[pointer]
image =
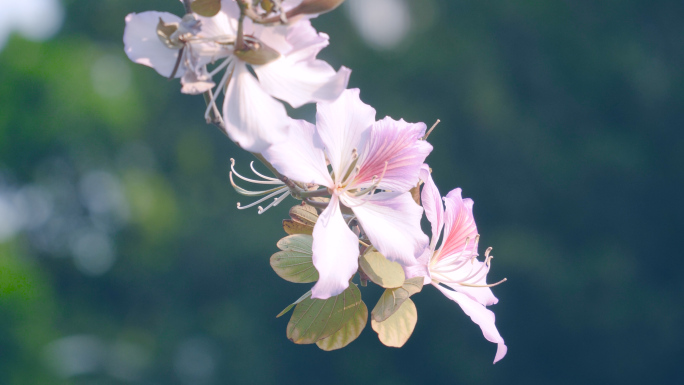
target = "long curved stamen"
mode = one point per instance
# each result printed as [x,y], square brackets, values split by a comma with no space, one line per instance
[248,193]
[221,66]
[219,89]
[489,285]
[251,165]
[282,190]
[269,181]
[351,168]
[275,202]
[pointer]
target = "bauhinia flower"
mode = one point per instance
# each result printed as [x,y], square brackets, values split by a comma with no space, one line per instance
[177,47]
[454,268]
[372,167]
[283,57]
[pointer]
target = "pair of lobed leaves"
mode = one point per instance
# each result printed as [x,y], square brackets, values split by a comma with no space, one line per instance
[337,321]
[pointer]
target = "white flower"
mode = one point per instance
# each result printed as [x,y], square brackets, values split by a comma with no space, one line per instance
[365,157]
[455,263]
[283,57]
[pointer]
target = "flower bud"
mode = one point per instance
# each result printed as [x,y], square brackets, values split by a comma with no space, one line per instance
[257,53]
[308,7]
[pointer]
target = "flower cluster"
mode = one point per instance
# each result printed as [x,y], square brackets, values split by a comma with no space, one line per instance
[359,179]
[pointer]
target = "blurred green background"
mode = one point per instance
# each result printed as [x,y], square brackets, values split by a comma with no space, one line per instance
[123,258]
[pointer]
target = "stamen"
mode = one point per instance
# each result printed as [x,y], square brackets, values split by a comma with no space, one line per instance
[275,202]
[221,66]
[212,103]
[271,181]
[282,190]
[489,285]
[374,184]
[251,165]
[430,130]
[248,193]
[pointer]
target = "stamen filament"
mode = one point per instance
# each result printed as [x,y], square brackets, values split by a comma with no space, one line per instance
[275,202]
[219,89]
[269,196]
[248,193]
[251,165]
[232,167]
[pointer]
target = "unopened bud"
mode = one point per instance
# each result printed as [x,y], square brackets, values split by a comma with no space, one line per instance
[309,7]
[257,53]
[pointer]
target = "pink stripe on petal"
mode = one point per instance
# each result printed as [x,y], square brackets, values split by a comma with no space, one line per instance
[459,226]
[432,204]
[397,144]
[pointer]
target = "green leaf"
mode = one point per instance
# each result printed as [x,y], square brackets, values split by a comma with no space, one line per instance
[396,330]
[290,306]
[294,266]
[316,319]
[304,214]
[296,242]
[381,271]
[392,299]
[349,332]
[206,8]
[294,227]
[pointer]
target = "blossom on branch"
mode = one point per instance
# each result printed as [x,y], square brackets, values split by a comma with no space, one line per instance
[283,58]
[454,268]
[372,167]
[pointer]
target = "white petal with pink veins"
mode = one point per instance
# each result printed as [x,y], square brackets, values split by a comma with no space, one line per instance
[392,223]
[142,45]
[335,252]
[431,200]
[481,316]
[460,231]
[344,125]
[253,118]
[301,156]
[397,144]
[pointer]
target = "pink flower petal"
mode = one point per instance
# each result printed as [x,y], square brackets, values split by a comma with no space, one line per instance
[397,144]
[431,200]
[301,156]
[481,316]
[392,223]
[459,226]
[144,47]
[254,120]
[335,252]
[344,125]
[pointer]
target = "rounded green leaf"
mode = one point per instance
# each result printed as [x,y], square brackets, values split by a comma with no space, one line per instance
[294,266]
[304,214]
[293,227]
[396,330]
[349,332]
[382,271]
[392,299]
[316,319]
[296,242]
[206,8]
[290,306]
